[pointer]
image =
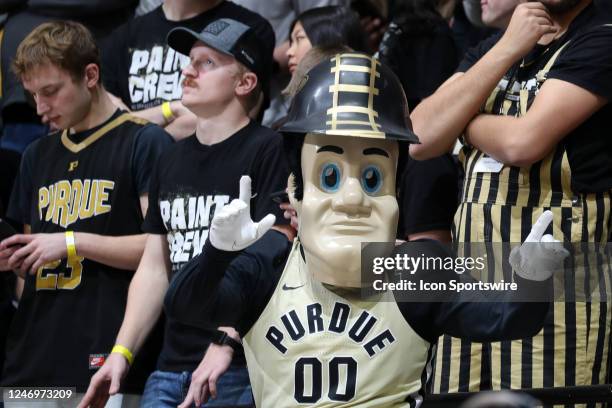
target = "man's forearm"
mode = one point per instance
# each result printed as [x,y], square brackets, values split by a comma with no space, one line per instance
[123,252]
[180,124]
[503,138]
[559,108]
[154,115]
[144,307]
[442,117]
[145,295]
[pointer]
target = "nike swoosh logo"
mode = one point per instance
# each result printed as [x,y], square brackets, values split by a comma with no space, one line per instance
[285,287]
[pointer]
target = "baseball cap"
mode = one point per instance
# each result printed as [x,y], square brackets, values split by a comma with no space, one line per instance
[232,38]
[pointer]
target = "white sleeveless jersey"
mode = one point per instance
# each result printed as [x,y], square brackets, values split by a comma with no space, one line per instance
[315,347]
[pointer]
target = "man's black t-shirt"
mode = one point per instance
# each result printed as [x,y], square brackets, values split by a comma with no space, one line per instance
[190,183]
[586,61]
[141,69]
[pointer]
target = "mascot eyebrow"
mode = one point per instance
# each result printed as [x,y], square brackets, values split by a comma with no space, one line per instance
[330,148]
[375,150]
[366,152]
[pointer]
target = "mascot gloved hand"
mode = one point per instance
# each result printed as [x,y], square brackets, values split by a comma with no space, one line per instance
[540,255]
[232,228]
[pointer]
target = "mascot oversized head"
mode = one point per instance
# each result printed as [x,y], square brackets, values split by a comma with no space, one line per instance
[344,137]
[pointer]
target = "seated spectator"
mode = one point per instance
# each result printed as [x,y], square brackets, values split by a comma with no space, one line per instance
[374,18]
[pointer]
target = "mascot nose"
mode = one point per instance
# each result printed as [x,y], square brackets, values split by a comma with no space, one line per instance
[351,199]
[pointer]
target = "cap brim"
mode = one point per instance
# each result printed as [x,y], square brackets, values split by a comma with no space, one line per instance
[182,40]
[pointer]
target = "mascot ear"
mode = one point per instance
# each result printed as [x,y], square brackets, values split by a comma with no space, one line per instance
[297,205]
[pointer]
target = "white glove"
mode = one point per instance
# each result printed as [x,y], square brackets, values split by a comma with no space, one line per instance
[540,255]
[232,228]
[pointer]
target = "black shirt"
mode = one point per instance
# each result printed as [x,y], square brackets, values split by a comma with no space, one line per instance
[423,55]
[148,144]
[428,195]
[141,69]
[586,62]
[190,183]
[421,58]
[70,311]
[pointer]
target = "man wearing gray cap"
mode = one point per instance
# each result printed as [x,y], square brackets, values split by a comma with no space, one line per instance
[193,180]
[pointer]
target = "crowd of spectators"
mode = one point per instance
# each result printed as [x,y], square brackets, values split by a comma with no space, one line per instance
[510,102]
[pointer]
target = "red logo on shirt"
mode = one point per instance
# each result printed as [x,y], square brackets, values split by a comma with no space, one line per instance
[96,361]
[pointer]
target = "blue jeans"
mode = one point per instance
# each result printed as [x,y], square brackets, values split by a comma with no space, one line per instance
[169,389]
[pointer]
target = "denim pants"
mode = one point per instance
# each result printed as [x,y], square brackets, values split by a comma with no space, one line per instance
[169,389]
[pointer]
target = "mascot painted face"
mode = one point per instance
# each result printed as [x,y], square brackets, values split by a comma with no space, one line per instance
[345,157]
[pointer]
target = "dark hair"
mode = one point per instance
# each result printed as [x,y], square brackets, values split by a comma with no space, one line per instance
[312,58]
[418,15]
[292,145]
[66,44]
[331,26]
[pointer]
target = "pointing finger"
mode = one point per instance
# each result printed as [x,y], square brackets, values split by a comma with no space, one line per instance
[540,226]
[245,189]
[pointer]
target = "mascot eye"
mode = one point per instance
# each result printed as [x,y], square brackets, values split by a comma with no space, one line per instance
[371,180]
[330,177]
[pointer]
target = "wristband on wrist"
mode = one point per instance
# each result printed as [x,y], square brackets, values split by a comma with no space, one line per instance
[223,339]
[70,245]
[167,112]
[124,351]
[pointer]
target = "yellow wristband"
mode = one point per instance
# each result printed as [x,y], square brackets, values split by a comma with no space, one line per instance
[70,246]
[125,352]
[167,111]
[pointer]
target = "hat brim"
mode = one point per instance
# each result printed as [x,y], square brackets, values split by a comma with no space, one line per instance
[182,40]
[317,124]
